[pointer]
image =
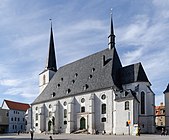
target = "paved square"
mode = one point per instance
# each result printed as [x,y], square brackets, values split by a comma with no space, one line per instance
[81,137]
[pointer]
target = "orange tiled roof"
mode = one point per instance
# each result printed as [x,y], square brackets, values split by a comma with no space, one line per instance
[17,106]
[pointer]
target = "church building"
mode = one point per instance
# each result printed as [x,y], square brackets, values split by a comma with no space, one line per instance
[95,93]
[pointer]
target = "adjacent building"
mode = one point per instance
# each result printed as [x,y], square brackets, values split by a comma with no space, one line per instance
[95,93]
[160,115]
[16,115]
[166,94]
[4,120]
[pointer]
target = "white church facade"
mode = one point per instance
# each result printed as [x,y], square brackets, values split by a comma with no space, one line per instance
[95,93]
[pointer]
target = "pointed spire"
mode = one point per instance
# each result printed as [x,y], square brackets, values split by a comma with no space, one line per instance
[51,61]
[111,37]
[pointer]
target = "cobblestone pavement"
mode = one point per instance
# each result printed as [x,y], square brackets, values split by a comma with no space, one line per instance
[81,137]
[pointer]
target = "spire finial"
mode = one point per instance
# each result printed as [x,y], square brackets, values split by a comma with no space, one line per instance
[111,12]
[50,22]
[111,36]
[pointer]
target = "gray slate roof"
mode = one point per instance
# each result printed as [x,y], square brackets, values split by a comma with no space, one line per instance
[167,89]
[99,71]
[133,73]
[88,74]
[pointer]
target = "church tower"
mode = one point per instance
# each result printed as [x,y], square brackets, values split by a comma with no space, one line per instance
[50,68]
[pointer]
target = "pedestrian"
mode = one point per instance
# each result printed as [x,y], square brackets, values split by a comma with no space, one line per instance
[18,132]
[31,134]
[166,132]
[139,129]
[162,132]
[50,137]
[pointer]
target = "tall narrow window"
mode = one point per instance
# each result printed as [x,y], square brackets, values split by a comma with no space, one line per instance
[65,113]
[103,108]
[82,109]
[44,79]
[127,105]
[36,116]
[142,103]
[50,114]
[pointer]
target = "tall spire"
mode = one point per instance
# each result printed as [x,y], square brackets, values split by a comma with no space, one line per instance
[51,61]
[111,37]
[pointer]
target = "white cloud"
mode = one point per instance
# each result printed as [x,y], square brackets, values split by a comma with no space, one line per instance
[9,82]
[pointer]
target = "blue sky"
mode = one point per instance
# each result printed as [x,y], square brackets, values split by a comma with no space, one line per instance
[81,28]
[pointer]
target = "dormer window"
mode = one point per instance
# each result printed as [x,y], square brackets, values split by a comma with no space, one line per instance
[85,87]
[68,91]
[73,81]
[90,76]
[61,79]
[93,69]
[54,94]
[76,74]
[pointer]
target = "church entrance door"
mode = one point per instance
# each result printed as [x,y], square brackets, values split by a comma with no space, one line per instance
[82,123]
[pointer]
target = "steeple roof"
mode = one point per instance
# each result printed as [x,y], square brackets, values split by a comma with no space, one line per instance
[167,89]
[51,60]
[111,36]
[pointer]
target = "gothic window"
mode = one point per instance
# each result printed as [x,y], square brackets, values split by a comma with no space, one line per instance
[65,113]
[36,124]
[127,105]
[44,79]
[142,103]
[36,116]
[103,109]
[36,108]
[82,109]
[103,119]
[103,97]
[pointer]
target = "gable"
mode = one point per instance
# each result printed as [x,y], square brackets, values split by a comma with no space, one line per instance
[133,73]
[4,105]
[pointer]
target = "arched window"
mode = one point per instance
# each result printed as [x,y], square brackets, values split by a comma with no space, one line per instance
[65,122]
[103,108]
[36,116]
[50,114]
[44,79]
[65,113]
[127,105]
[142,102]
[82,109]
[103,119]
